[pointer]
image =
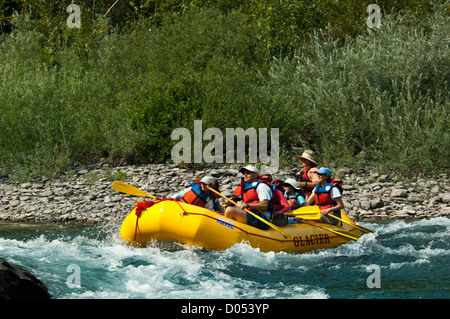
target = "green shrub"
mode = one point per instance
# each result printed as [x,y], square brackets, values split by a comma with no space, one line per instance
[373,97]
[381,99]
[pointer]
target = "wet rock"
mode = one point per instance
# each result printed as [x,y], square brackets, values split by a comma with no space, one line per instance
[18,283]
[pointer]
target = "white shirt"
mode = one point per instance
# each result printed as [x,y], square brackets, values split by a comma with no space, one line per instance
[264,192]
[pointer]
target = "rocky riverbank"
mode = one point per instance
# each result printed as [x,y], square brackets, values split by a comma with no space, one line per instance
[85,194]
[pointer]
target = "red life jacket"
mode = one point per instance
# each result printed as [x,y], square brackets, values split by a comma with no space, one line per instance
[283,205]
[337,182]
[322,196]
[278,202]
[303,177]
[250,195]
[195,196]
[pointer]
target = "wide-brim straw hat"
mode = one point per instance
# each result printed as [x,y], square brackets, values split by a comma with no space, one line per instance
[307,155]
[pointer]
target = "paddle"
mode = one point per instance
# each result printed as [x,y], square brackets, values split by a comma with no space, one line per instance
[306,212]
[364,229]
[130,190]
[337,232]
[285,234]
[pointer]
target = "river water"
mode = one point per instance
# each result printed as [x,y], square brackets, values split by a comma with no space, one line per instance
[410,259]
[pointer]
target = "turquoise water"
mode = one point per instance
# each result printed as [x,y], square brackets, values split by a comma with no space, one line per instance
[409,260]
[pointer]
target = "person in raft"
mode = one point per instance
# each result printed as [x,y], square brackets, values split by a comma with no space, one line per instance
[307,179]
[293,194]
[198,194]
[327,196]
[280,204]
[255,196]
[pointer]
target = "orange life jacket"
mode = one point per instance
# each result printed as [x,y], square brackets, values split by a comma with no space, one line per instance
[195,196]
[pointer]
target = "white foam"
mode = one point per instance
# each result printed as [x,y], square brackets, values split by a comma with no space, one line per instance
[111,269]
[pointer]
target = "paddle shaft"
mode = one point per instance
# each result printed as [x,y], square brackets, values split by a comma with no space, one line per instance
[337,232]
[310,216]
[314,212]
[285,234]
[364,229]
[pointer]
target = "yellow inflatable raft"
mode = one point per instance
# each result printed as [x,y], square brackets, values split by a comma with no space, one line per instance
[174,221]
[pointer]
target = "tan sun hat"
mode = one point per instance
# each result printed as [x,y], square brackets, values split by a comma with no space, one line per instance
[307,155]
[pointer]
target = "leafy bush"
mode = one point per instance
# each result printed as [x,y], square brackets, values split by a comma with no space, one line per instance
[58,108]
[382,98]
[356,96]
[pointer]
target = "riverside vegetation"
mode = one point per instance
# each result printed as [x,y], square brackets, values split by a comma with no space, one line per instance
[118,87]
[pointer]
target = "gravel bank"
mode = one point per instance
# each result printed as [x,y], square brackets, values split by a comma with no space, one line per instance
[85,193]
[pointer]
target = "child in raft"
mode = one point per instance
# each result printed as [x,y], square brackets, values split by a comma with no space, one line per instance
[327,196]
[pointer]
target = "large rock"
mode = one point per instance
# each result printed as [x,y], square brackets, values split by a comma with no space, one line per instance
[365,204]
[445,197]
[17,283]
[399,192]
[376,202]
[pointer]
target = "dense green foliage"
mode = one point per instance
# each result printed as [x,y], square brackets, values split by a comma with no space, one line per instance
[118,86]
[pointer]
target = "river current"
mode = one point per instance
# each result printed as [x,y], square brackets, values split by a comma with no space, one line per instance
[410,259]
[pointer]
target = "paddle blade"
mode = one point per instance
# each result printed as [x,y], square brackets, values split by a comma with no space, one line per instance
[344,234]
[129,189]
[306,212]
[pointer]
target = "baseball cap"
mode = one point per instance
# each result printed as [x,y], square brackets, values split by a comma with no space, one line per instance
[324,171]
[250,168]
[208,180]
